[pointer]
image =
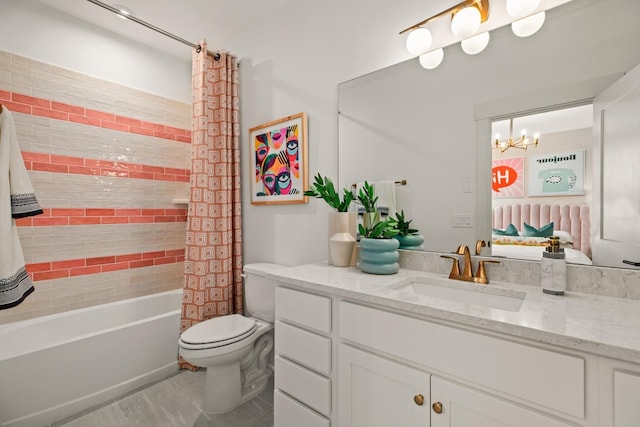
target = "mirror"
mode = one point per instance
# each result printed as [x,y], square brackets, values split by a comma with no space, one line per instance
[542,174]
[432,128]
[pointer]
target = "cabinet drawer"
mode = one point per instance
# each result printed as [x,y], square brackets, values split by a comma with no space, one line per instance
[313,311]
[308,387]
[289,413]
[544,377]
[307,348]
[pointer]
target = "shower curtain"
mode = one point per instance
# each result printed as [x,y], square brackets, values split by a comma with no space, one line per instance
[213,256]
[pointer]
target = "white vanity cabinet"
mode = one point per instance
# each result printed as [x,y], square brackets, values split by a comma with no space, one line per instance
[458,406]
[378,392]
[619,393]
[302,360]
[466,378]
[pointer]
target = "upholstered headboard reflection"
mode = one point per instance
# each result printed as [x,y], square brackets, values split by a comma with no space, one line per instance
[574,219]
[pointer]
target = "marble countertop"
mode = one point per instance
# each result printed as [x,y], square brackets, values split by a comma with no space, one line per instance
[601,325]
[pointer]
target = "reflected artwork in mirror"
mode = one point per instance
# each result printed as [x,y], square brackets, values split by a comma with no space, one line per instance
[433,127]
[565,139]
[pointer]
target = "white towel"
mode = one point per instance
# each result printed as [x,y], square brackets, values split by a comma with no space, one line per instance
[386,192]
[17,200]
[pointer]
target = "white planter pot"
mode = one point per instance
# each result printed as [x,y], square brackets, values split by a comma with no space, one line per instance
[340,254]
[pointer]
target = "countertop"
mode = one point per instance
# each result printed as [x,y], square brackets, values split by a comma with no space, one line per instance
[600,325]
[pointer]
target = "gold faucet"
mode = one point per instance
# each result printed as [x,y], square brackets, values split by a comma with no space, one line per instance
[467,270]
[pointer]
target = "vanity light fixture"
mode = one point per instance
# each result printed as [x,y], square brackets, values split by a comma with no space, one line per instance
[475,44]
[466,19]
[523,143]
[526,24]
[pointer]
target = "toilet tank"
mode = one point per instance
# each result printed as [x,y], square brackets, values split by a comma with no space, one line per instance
[259,291]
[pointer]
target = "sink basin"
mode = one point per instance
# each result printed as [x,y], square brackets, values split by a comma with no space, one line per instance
[451,290]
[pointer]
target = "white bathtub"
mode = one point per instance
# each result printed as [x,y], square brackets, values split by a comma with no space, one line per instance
[55,366]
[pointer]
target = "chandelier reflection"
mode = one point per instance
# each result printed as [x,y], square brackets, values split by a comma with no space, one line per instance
[522,143]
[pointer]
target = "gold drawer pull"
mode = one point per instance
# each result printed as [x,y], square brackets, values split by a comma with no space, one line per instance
[437,407]
[419,399]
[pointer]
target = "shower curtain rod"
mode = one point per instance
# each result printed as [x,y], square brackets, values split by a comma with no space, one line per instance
[118,12]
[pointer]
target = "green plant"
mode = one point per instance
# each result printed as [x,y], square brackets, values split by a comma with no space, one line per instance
[323,188]
[378,229]
[372,226]
[403,226]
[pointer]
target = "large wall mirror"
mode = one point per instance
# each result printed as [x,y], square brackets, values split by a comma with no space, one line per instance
[433,128]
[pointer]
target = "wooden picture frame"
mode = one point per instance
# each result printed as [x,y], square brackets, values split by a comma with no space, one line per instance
[278,152]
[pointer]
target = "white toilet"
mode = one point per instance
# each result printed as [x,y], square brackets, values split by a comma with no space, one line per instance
[235,349]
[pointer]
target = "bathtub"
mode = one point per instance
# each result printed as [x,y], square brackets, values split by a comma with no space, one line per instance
[55,366]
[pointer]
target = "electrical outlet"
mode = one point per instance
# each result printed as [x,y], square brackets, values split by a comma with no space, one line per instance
[462,220]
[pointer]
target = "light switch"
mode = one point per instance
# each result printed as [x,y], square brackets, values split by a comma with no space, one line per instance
[462,220]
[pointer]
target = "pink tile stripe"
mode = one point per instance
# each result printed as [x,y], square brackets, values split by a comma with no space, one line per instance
[91,216]
[77,165]
[103,264]
[73,113]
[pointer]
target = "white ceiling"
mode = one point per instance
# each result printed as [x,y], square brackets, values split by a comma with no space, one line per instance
[573,118]
[220,22]
[217,21]
[223,22]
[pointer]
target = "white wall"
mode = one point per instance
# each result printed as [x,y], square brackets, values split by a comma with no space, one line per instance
[296,66]
[32,29]
[295,63]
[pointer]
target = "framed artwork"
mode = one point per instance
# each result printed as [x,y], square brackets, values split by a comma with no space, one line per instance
[507,178]
[279,161]
[557,174]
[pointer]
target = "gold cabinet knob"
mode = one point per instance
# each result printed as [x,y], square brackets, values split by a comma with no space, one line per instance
[419,399]
[437,407]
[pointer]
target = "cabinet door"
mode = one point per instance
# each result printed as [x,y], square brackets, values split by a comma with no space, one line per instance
[377,392]
[453,405]
[626,388]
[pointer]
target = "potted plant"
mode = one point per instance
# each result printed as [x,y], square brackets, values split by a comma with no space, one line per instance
[342,223]
[378,248]
[407,236]
[323,188]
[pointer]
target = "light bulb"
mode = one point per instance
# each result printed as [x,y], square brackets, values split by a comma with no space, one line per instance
[466,22]
[432,59]
[528,26]
[520,8]
[523,132]
[419,41]
[475,44]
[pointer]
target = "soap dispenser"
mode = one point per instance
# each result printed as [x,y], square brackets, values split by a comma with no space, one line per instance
[554,268]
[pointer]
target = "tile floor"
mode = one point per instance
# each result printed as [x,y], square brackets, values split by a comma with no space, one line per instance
[174,402]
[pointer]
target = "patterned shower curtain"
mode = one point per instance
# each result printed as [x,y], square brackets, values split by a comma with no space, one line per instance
[213,258]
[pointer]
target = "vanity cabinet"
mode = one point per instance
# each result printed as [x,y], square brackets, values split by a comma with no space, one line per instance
[343,361]
[458,406]
[511,375]
[302,361]
[619,393]
[378,392]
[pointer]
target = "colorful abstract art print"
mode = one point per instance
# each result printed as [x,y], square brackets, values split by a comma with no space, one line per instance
[278,154]
[507,177]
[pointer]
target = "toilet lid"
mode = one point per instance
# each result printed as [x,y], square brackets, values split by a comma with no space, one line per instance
[219,331]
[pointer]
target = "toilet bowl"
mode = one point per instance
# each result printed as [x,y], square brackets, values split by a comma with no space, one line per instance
[235,349]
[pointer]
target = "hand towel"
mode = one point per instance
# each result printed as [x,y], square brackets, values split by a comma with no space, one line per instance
[386,192]
[17,200]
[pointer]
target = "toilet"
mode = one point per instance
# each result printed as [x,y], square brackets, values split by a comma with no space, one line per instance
[235,349]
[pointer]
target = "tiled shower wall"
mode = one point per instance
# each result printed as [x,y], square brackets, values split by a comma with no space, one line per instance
[106,162]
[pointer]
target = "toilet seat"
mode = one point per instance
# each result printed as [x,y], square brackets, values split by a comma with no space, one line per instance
[218,332]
